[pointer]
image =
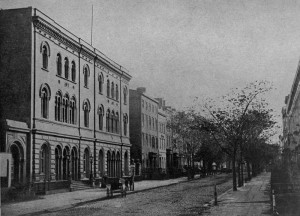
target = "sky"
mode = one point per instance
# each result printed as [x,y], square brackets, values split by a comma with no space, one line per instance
[183,49]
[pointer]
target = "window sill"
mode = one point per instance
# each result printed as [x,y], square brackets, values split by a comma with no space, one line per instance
[45,69]
[113,99]
[66,79]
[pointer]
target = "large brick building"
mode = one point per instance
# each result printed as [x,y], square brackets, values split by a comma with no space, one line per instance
[64,106]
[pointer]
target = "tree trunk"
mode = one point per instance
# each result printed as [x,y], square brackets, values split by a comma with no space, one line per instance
[234,173]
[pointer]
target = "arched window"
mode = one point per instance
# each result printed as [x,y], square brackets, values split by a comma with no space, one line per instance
[112,123]
[86,111]
[112,90]
[66,109]
[58,106]
[101,81]
[108,88]
[45,57]
[153,142]
[45,97]
[101,114]
[72,118]
[108,120]
[125,95]
[86,73]
[58,64]
[73,71]
[66,68]
[117,92]
[117,122]
[125,122]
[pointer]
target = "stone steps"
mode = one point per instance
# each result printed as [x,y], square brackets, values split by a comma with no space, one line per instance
[79,185]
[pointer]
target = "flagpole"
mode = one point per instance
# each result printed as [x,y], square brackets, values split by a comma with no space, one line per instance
[92,26]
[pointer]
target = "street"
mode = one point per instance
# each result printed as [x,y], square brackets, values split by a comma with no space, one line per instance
[186,198]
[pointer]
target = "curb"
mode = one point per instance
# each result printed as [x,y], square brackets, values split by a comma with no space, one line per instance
[51,210]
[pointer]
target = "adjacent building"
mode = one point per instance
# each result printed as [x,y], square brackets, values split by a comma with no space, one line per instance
[143,112]
[64,106]
[291,115]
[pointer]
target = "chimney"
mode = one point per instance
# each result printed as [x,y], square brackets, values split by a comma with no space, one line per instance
[160,101]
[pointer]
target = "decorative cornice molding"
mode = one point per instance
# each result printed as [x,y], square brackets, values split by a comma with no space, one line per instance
[54,32]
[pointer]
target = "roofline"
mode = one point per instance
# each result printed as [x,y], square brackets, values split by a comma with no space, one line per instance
[82,43]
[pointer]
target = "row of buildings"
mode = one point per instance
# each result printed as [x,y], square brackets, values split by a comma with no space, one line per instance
[291,126]
[67,110]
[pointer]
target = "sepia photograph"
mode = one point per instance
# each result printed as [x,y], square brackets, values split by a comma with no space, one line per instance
[150,107]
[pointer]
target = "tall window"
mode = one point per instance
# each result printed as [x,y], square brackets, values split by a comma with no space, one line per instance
[112,122]
[125,122]
[100,80]
[66,109]
[45,57]
[73,110]
[117,92]
[112,90]
[108,120]
[86,112]
[101,114]
[73,71]
[117,122]
[66,68]
[86,74]
[108,88]
[125,95]
[58,103]
[58,64]
[45,97]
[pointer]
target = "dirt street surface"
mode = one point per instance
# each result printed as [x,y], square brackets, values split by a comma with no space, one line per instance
[185,198]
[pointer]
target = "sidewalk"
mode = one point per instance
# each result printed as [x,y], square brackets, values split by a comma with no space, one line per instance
[58,201]
[251,200]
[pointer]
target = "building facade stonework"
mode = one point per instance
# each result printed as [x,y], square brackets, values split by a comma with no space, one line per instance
[64,107]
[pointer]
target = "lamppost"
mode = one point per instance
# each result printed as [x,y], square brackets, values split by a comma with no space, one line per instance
[91,171]
[214,167]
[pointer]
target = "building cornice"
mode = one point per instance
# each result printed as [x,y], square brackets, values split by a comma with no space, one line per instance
[70,40]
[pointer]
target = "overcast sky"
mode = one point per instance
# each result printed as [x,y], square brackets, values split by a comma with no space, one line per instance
[182,49]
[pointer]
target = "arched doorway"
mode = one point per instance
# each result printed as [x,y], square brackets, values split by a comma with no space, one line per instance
[86,159]
[17,165]
[101,163]
[113,162]
[118,165]
[108,164]
[66,159]
[58,158]
[45,161]
[74,164]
